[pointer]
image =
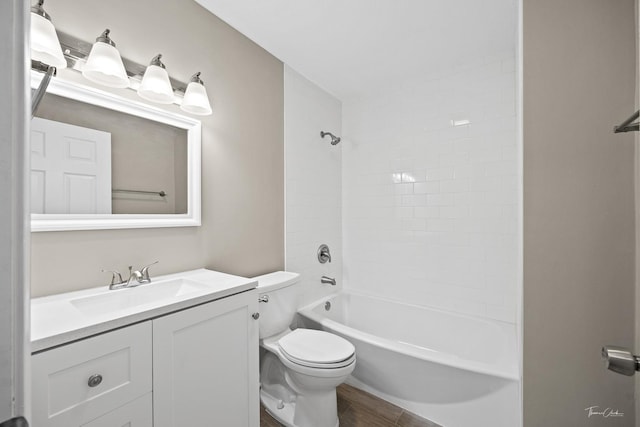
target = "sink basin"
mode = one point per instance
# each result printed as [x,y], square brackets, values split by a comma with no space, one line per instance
[128,298]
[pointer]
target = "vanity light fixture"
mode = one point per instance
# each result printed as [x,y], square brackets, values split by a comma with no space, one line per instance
[195,99]
[155,85]
[101,63]
[104,64]
[45,46]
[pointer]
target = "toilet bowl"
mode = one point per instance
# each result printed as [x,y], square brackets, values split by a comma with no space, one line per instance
[301,368]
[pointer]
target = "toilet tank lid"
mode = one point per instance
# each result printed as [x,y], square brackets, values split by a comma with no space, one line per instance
[276,280]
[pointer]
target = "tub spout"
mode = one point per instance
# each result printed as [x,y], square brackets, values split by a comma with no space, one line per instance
[328,280]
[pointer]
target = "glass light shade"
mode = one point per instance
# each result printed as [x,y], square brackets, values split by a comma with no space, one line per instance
[195,100]
[45,46]
[155,86]
[104,66]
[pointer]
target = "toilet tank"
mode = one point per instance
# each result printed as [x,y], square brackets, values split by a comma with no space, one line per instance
[277,314]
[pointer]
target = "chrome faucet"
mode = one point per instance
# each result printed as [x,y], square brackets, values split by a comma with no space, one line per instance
[136,277]
[328,280]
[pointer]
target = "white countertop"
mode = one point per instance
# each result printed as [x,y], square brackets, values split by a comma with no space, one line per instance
[57,320]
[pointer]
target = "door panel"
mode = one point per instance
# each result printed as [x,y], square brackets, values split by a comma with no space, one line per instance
[71,166]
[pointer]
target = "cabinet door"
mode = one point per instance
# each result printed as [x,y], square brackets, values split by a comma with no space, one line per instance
[138,413]
[205,365]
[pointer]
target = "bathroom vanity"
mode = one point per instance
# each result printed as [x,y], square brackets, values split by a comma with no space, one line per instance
[180,351]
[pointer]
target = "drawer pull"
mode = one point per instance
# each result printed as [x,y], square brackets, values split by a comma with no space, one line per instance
[95,380]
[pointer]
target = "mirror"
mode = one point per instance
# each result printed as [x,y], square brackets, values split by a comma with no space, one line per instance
[101,161]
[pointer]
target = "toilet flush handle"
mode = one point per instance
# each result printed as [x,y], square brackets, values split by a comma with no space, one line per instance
[263,298]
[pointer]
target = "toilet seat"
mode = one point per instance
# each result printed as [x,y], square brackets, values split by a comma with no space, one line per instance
[316,349]
[326,370]
[308,364]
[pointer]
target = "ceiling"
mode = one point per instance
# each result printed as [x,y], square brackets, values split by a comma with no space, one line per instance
[353,48]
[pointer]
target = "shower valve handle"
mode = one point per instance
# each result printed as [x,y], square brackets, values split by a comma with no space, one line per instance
[324,254]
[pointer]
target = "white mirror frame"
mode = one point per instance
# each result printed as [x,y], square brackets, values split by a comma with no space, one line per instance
[90,95]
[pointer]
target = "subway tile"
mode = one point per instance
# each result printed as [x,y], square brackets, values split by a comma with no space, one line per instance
[501,167]
[426,187]
[453,159]
[402,164]
[485,183]
[440,174]
[403,188]
[439,224]
[485,211]
[426,211]
[471,170]
[414,225]
[403,212]
[454,211]
[454,186]
[414,200]
[440,200]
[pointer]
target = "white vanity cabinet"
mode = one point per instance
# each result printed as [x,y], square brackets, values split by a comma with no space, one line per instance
[194,367]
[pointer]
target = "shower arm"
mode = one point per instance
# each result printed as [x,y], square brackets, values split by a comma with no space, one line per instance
[334,139]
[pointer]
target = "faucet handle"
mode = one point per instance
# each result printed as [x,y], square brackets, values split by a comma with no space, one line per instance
[145,272]
[324,254]
[116,277]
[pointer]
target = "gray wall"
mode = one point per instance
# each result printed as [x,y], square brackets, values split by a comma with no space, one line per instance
[579,80]
[242,149]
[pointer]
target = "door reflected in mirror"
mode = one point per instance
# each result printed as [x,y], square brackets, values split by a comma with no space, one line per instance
[86,159]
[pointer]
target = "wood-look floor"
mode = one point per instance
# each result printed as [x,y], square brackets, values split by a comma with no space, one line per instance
[357,408]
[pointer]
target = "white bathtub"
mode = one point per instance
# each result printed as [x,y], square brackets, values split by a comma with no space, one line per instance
[455,370]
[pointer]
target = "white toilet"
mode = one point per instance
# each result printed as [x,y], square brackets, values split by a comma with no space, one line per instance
[300,369]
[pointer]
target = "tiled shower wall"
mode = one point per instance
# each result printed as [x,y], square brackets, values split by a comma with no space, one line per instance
[430,191]
[313,184]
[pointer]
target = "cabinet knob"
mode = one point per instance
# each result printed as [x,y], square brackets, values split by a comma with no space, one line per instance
[94,380]
[255,316]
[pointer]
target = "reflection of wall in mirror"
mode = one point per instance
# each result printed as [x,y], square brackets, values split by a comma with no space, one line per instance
[146,155]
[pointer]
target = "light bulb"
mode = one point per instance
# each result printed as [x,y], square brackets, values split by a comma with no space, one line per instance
[45,46]
[155,85]
[104,64]
[195,99]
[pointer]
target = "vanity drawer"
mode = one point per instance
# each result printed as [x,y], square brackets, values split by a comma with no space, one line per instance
[138,413]
[79,382]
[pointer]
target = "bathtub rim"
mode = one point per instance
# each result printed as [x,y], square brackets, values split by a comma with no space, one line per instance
[406,349]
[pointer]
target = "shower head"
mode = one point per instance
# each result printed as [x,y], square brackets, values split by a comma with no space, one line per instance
[334,139]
